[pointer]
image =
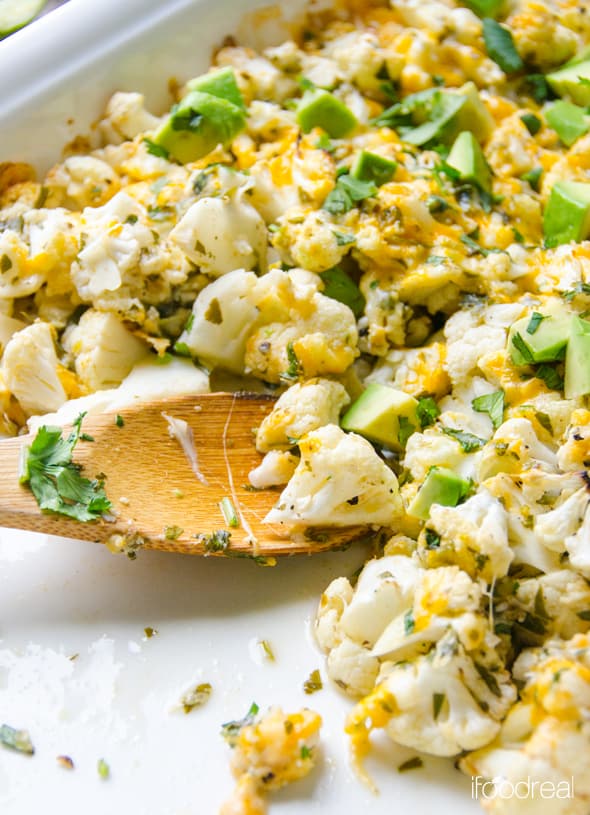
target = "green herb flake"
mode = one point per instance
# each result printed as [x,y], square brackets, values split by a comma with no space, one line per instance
[150,632]
[267,650]
[18,740]
[432,539]
[313,683]
[305,752]
[409,622]
[414,763]
[172,533]
[231,730]
[292,371]
[438,700]
[347,192]
[131,219]
[468,441]
[533,177]
[500,46]
[534,322]
[55,480]
[196,697]
[427,411]
[343,239]
[215,542]
[489,678]
[229,513]
[550,376]
[155,149]
[406,428]
[584,615]
[522,348]
[579,288]
[119,420]
[493,405]
[5,263]
[531,122]
[103,769]
[544,420]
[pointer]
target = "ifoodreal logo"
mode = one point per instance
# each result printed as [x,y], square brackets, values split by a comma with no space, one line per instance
[524,788]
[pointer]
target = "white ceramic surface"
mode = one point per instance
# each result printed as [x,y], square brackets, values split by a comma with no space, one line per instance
[58,598]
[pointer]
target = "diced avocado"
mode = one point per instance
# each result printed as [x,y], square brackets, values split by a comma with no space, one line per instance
[15,14]
[198,124]
[221,83]
[339,286]
[485,8]
[566,82]
[474,115]
[577,359]
[532,340]
[319,108]
[467,158]
[372,167]
[569,121]
[383,415]
[567,213]
[441,486]
[581,56]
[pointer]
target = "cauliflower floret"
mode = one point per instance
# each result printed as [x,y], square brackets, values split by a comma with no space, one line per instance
[8,327]
[435,449]
[546,736]
[300,409]
[554,527]
[275,469]
[574,454]
[82,181]
[358,57]
[309,240]
[104,350]
[31,370]
[539,36]
[417,371]
[555,604]
[515,447]
[578,546]
[222,234]
[18,276]
[126,117]
[276,326]
[467,342]
[332,603]
[340,481]
[443,702]
[269,752]
[473,535]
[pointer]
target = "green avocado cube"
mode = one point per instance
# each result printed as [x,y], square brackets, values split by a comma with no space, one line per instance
[319,108]
[577,360]
[542,338]
[383,415]
[372,167]
[197,124]
[221,83]
[567,213]
[467,158]
[441,486]
[569,121]
[570,81]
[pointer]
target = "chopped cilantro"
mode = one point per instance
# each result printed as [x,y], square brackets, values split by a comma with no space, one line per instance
[347,192]
[432,539]
[230,730]
[550,376]
[215,542]
[55,480]
[414,763]
[14,739]
[488,677]
[343,239]
[103,769]
[493,405]
[292,371]
[522,348]
[534,322]
[313,683]
[305,752]
[531,122]
[150,632]
[500,46]
[171,533]
[533,177]
[427,411]
[5,263]
[196,697]
[119,420]
[468,441]
[409,622]
[155,149]
[438,700]
[267,650]
[579,288]
[406,428]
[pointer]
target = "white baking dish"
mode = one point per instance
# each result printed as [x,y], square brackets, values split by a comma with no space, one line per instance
[60,598]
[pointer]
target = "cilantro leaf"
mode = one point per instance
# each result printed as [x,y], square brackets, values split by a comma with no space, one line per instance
[347,192]
[406,428]
[427,411]
[550,376]
[579,288]
[500,46]
[155,149]
[493,405]
[55,480]
[534,322]
[468,441]
[531,122]
[522,348]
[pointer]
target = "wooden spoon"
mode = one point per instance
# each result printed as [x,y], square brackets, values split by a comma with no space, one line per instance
[155,491]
